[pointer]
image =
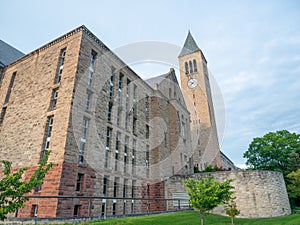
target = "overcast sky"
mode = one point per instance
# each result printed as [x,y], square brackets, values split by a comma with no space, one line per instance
[252,49]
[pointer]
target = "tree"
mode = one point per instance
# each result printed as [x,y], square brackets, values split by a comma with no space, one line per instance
[294,184]
[231,209]
[273,151]
[13,187]
[206,193]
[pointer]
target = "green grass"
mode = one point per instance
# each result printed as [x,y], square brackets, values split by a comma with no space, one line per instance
[193,218]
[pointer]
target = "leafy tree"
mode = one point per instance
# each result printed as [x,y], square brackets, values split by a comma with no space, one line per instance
[273,151]
[294,184]
[206,193]
[231,209]
[13,187]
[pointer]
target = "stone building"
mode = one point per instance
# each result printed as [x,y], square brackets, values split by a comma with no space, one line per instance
[111,134]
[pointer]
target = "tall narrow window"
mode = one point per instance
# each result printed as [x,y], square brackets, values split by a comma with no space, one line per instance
[54,99]
[115,193]
[61,63]
[191,66]
[48,134]
[120,88]
[147,160]
[126,121]
[88,95]
[127,93]
[186,68]
[91,67]
[147,131]
[76,210]
[105,185]
[103,209]
[85,125]
[125,188]
[11,84]
[79,181]
[108,137]
[118,143]
[109,111]
[34,210]
[119,117]
[126,152]
[147,108]
[3,112]
[114,208]
[195,65]
[134,122]
[182,129]
[107,148]
[111,83]
[133,156]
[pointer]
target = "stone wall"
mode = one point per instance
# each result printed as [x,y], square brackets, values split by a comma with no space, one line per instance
[259,194]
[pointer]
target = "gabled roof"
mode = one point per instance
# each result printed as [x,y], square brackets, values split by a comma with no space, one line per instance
[8,54]
[190,46]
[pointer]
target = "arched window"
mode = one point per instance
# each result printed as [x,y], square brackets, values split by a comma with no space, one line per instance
[195,65]
[191,66]
[186,68]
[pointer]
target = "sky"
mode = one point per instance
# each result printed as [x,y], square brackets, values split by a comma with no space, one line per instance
[252,49]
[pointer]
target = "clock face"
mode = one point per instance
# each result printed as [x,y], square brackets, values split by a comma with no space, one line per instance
[192,83]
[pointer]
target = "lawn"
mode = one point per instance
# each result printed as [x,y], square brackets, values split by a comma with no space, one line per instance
[192,218]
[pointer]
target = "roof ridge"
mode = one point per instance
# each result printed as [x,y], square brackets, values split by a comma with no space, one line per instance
[190,46]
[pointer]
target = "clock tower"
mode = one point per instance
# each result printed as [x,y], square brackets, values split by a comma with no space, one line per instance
[197,95]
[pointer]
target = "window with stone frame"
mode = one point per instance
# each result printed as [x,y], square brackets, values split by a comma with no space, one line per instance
[54,98]
[111,83]
[186,66]
[195,65]
[91,67]
[83,139]
[79,182]
[48,134]
[61,62]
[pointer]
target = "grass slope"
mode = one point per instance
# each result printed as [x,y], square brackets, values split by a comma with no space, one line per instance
[193,218]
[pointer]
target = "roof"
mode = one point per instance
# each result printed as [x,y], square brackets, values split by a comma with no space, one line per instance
[190,46]
[8,54]
[155,80]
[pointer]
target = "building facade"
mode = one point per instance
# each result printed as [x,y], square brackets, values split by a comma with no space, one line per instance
[111,134]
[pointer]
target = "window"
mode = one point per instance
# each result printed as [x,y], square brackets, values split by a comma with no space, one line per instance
[54,99]
[111,83]
[120,88]
[85,125]
[147,108]
[133,155]
[147,160]
[118,142]
[132,188]
[134,121]
[11,84]
[105,185]
[126,121]
[191,66]
[115,188]
[127,93]
[114,208]
[87,99]
[91,67]
[195,65]
[119,117]
[147,131]
[186,68]
[166,140]
[134,92]
[79,182]
[61,63]
[3,112]
[182,129]
[103,210]
[34,210]
[125,188]
[108,137]
[76,210]
[170,92]
[109,111]
[126,152]
[48,134]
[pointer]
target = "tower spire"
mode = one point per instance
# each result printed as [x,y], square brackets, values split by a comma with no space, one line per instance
[190,46]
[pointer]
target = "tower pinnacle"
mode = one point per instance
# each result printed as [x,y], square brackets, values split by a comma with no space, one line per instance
[190,46]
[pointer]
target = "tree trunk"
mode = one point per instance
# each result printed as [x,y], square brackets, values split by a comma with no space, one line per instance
[232,223]
[202,218]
